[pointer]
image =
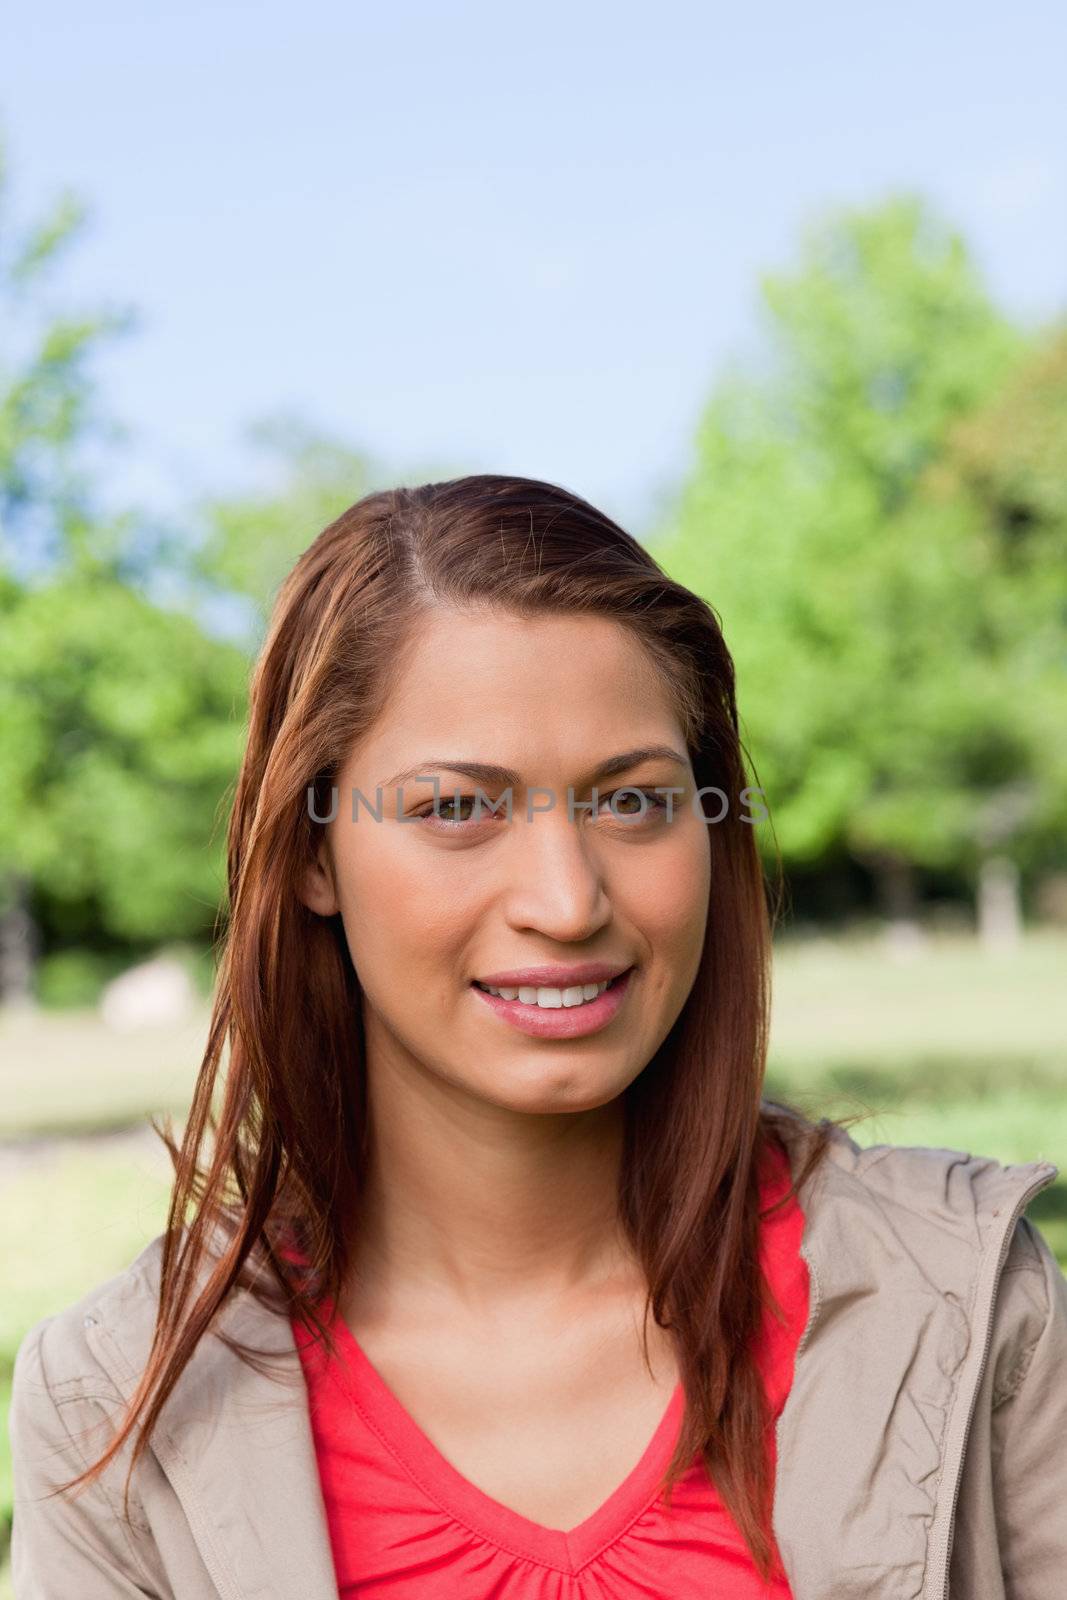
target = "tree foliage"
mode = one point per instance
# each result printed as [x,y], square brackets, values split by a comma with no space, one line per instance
[123,731]
[884,640]
[120,721]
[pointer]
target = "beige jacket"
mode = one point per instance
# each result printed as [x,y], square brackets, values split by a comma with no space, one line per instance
[922,1451]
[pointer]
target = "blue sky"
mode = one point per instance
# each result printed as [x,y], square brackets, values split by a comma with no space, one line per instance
[498,239]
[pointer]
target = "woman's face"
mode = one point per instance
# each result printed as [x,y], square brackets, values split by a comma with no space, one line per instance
[436,906]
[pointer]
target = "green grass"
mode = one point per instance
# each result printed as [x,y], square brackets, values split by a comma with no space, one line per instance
[929,1022]
[954,1049]
[64,1072]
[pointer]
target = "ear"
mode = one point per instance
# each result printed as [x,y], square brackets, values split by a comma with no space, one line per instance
[317,889]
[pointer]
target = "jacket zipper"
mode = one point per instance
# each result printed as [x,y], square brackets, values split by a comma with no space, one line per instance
[814,1304]
[944,1549]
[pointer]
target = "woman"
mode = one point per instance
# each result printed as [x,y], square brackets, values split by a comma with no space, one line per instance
[495,991]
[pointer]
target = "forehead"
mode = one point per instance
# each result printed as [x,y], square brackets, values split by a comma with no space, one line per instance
[525,690]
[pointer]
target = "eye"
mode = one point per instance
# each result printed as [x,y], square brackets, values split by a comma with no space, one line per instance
[456,810]
[447,808]
[628,804]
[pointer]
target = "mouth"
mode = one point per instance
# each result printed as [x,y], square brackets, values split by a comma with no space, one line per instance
[553,997]
[557,1013]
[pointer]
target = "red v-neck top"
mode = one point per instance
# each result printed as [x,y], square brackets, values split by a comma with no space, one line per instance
[404,1524]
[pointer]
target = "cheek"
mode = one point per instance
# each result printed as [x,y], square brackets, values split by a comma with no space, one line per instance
[401,915]
[665,888]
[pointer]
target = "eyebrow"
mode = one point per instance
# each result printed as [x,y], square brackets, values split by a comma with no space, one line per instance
[487,772]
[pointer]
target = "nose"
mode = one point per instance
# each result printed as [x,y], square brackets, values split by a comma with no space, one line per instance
[555,884]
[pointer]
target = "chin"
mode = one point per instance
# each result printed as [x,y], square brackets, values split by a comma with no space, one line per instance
[547,1092]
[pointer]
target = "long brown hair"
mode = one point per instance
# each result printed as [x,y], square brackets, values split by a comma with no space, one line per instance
[281,1157]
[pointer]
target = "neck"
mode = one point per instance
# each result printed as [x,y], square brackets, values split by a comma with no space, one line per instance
[481,1205]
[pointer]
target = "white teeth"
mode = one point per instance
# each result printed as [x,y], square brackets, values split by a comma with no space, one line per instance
[549,998]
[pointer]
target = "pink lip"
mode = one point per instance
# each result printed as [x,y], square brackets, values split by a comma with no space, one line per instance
[557,977]
[560,1022]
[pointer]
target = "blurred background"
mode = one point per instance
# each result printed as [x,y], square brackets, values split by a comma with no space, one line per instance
[784,292]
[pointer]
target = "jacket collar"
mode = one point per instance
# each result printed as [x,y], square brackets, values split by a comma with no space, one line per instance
[904,1249]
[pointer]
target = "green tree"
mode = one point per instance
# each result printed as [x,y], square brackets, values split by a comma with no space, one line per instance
[119,721]
[124,729]
[47,413]
[49,409]
[1005,471]
[856,608]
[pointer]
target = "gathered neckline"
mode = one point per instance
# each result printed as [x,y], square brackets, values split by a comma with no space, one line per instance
[480,1512]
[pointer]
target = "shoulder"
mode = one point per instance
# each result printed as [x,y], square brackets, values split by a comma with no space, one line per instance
[951,1190]
[97,1347]
[63,1409]
[55,1357]
[1031,1312]
[957,1218]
